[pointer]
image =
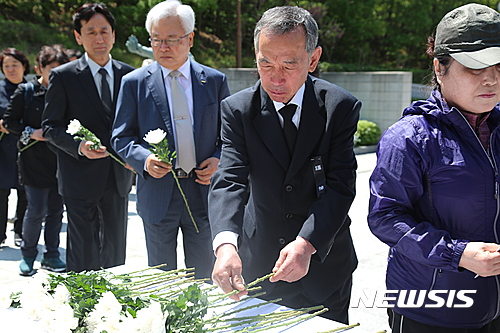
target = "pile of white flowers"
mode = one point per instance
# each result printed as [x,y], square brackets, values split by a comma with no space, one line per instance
[52,311]
[140,302]
[107,317]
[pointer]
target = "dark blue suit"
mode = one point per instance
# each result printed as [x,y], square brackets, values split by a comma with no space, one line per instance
[142,107]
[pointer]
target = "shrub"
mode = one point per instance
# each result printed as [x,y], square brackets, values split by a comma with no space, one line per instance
[368,133]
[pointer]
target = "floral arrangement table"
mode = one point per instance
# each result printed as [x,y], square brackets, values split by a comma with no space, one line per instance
[151,301]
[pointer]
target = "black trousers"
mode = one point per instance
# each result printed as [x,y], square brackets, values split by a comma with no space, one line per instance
[4,208]
[97,230]
[293,297]
[401,324]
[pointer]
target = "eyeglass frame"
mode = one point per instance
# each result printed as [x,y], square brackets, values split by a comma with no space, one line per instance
[169,42]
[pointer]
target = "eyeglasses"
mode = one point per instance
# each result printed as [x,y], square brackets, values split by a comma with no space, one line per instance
[156,42]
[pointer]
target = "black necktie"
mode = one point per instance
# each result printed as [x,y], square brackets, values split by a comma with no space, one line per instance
[105,92]
[289,128]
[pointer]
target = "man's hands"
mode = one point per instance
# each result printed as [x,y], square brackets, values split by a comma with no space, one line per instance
[87,151]
[481,258]
[206,170]
[3,129]
[294,260]
[38,135]
[157,168]
[291,266]
[227,271]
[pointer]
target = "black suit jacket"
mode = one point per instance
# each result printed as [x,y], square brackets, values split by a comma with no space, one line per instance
[269,197]
[72,94]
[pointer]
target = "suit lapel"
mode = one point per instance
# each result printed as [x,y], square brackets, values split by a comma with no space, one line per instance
[117,78]
[156,86]
[311,129]
[84,75]
[198,81]
[269,129]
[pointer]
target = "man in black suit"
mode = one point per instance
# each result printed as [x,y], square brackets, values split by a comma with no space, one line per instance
[286,177]
[94,187]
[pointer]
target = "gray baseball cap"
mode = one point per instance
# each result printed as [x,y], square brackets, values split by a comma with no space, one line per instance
[470,34]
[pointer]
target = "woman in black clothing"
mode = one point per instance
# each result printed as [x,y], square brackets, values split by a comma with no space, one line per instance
[14,66]
[37,165]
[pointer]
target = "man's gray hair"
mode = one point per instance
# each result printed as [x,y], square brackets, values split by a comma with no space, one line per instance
[171,8]
[282,20]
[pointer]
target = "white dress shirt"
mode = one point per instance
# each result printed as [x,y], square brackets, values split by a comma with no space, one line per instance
[94,69]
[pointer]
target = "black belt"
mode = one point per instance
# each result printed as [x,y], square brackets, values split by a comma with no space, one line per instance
[183,174]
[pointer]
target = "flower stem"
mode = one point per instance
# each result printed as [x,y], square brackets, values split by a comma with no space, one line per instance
[343,328]
[31,144]
[185,201]
[116,159]
[1,135]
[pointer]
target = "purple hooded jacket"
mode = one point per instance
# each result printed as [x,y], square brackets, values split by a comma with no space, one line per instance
[434,189]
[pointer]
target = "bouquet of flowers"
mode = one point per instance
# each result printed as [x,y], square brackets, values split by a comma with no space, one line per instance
[141,301]
[81,133]
[157,139]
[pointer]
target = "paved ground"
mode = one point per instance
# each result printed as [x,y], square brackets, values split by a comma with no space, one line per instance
[368,277]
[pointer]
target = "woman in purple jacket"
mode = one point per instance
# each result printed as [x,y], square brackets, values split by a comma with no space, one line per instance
[435,189]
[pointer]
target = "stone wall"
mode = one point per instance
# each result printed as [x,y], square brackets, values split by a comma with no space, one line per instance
[384,94]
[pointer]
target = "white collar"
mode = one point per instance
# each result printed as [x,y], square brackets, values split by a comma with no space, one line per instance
[94,67]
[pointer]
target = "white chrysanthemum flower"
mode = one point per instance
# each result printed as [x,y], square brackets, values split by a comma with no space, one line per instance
[152,319]
[5,300]
[65,320]
[34,300]
[61,295]
[155,136]
[109,325]
[106,312]
[40,279]
[73,127]
[108,304]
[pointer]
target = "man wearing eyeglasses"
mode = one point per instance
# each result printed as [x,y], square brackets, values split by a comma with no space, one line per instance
[182,98]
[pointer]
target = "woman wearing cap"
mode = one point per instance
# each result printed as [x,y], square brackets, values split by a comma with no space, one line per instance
[435,192]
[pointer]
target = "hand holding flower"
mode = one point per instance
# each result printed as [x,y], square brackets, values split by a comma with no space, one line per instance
[2,128]
[38,135]
[87,148]
[160,162]
[90,146]
[156,168]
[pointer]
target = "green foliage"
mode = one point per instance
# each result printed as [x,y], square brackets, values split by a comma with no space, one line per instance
[186,312]
[359,35]
[368,133]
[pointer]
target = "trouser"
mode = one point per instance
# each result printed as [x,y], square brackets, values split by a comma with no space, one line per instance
[43,204]
[97,230]
[402,324]
[293,296]
[22,203]
[4,209]
[161,237]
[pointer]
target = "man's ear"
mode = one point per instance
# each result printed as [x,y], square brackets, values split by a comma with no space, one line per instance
[316,55]
[78,37]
